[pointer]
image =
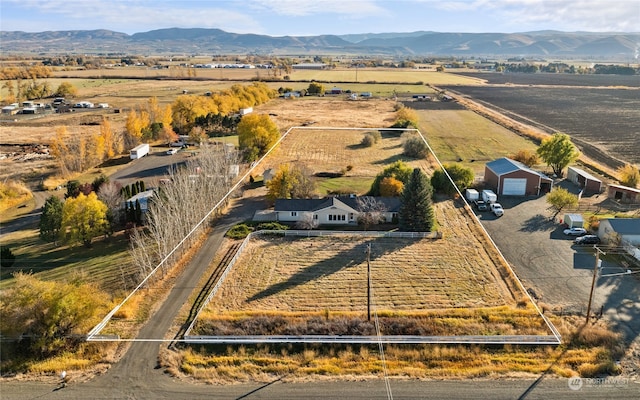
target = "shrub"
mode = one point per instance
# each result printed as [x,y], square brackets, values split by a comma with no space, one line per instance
[271,226]
[239,231]
[367,141]
[415,147]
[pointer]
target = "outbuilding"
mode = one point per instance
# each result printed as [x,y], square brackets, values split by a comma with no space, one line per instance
[623,194]
[587,182]
[619,231]
[512,178]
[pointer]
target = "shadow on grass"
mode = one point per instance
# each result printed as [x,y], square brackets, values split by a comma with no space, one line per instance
[342,260]
[40,256]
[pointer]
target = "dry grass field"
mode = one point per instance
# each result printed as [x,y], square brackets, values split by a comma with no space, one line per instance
[462,270]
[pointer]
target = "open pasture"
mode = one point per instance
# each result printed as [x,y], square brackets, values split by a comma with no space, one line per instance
[301,277]
[383,75]
[462,136]
[332,150]
[312,274]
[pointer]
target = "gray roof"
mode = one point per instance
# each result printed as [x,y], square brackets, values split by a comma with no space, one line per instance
[625,226]
[392,204]
[505,165]
[585,174]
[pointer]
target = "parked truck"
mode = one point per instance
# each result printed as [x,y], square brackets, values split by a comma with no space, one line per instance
[139,151]
[489,197]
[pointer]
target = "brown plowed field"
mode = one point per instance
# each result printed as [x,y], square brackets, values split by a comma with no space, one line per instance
[600,113]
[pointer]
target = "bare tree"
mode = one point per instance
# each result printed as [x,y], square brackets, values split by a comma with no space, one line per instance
[307,221]
[371,211]
[179,210]
[110,194]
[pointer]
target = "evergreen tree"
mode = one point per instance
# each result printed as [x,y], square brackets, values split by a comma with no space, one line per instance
[416,209]
[51,219]
[7,258]
[138,213]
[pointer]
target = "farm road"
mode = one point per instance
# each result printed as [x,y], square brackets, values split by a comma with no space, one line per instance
[134,374]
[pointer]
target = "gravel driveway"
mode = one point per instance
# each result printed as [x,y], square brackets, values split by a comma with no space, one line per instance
[559,272]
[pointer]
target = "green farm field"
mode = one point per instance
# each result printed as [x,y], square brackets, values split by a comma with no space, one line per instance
[462,136]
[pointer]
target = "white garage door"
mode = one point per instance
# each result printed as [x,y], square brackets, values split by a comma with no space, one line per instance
[514,186]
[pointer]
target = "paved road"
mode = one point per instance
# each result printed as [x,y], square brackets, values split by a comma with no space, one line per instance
[165,388]
[150,167]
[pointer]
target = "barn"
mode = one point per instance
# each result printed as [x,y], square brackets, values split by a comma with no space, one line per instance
[587,182]
[623,194]
[512,178]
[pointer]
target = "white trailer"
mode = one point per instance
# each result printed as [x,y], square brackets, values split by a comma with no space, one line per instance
[489,196]
[139,151]
[472,194]
[574,220]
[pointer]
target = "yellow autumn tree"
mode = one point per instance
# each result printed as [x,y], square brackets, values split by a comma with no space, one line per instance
[109,139]
[97,149]
[83,218]
[257,133]
[50,314]
[59,149]
[629,175]
[134,126]
[391,187]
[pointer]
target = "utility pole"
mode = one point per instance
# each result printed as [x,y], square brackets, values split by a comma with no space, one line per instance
[369,282]
[593,280]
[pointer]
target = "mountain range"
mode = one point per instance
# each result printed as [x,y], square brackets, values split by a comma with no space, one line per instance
[591,45]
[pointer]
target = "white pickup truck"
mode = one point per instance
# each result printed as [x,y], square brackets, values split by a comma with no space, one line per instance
[497,209]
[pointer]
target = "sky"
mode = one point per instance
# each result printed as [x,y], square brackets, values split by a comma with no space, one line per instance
[318,17]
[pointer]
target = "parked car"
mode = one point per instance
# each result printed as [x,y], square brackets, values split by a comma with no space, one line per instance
[497,209]
[575,231]
[481,205]
[172,151]
[587,239]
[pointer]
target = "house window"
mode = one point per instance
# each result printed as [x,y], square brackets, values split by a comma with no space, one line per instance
[315,216]
[337,217]
[294,213]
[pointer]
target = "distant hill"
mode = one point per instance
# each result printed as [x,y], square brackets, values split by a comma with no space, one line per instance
[604,46]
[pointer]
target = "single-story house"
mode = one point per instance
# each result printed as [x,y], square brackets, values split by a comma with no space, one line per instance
[338,210]
[512,178]
[624,194]
[143,200]
[587,182]
[620,230]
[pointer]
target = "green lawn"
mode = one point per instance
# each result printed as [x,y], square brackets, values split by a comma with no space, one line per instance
[352,184]
[107,263]
[468,138]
